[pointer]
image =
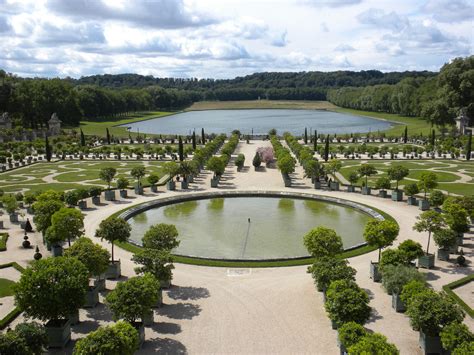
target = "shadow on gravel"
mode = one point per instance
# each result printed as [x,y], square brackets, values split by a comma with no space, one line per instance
[180,311]
[166,328]
[186,293]
[162,346]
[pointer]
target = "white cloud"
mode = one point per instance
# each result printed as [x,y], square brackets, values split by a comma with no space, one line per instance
[450,10]
[280,40]
[332,3]
[381,19]
[344,48]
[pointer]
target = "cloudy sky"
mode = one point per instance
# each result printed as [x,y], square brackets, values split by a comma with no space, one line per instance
[228,38]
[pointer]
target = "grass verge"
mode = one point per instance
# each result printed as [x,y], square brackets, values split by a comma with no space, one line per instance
[3,241]
[10,317]
[453,285]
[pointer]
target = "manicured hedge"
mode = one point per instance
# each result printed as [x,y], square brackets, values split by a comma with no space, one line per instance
[3,241]
[453,285]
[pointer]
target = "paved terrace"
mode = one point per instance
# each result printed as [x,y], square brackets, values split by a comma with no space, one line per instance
[252,311]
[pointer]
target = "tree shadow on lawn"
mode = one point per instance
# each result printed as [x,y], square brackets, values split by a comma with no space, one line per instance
[166,328]
[180,311]
[186,293]
[162,346]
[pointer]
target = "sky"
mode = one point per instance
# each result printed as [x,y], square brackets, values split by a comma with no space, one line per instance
[228,38]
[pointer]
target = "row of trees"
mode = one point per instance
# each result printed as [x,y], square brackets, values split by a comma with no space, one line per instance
[437,99]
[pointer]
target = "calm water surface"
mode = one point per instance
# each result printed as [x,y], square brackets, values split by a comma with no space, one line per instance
[219,227]
[260,121]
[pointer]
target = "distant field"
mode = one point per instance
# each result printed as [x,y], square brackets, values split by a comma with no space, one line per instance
[253,104]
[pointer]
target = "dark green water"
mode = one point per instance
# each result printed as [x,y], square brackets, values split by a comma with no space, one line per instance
[219,227]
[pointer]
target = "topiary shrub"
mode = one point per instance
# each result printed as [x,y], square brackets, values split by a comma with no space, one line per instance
[397,276]
[323,241]
[119,338]
[454,335]
[351,333]
[373,344]
[410,250]
[327,269]
[93,256]
[161,237]
[347,302]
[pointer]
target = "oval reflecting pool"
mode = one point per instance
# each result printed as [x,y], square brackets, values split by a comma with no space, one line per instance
[259,121]
[250,228]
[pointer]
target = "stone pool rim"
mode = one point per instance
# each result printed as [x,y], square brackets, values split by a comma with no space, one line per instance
[191,196]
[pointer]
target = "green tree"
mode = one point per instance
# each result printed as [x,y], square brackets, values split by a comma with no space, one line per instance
[47,148]
[107,135]
[351,333]
[327,269]
[194,140]
[134,298]
[138,172]
[171,168]
[353,178]
[93,256]
[122,183]
[469,146]
[429,221]
[430,312]
[26,338]
[411,289]
[159,263]
[444,238]
[465,348]
[456,218]
[66,224]
[397,276]
[44,210]
[257,161]
[347,302]
[410,250]
[380,233]
[216,165]
[366,170]
[83,139]
[107,175]
[286,164]
[326,149]
[411,189]
[428,181]
[161,237]
[454,335]
[12,343]
[323,241]
[113,230]
[397,173]
[119,338]
[52,288]
[382,183]
[180,149]
[437,198]
[373,344]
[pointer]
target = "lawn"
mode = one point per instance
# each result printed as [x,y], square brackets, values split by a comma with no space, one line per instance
[6,287]
[98,127]
[68,175]
[415,125]
[446,179]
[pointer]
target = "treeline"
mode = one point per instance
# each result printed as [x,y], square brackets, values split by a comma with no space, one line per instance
[438,99]
[266,80]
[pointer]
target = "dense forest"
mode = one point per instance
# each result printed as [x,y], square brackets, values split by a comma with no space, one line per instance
[437,97]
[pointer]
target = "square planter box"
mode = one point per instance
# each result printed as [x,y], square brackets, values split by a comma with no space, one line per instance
[14,218]
[30,210]
[317,185]
[426,261]
[214,182]
[1,225]
[334,186]
[92,297]
[74,318]
[123,193]
[82,205]
[366,190]
[383,194]
[165,283]
[148,318]
[138,190]
[171,185]
[333,324]
[412,201]
[154,188]
[114,270]
[141,332]
[397,195]
[109,195]
[184,184]
[99,283]
[443,254]
[190,178]
[424,205]
[57,250]
[159,303]
[397,303]
[96,200]
[350,188]
[58,333]
[430,344]
[374,272]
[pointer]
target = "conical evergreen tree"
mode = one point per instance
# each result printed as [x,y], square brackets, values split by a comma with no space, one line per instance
[326,149]
[315,141]
[405,135]
[469,146]
[203,139]
[305,135]
[47,149]
[83,139]
[194,140]
[108,135]
[180,149]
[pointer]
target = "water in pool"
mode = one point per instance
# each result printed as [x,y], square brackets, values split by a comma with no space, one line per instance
[220,227]
[260,122]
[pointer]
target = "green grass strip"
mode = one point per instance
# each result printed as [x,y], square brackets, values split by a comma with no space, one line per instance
[364,249]
[453,285]
[10,317]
